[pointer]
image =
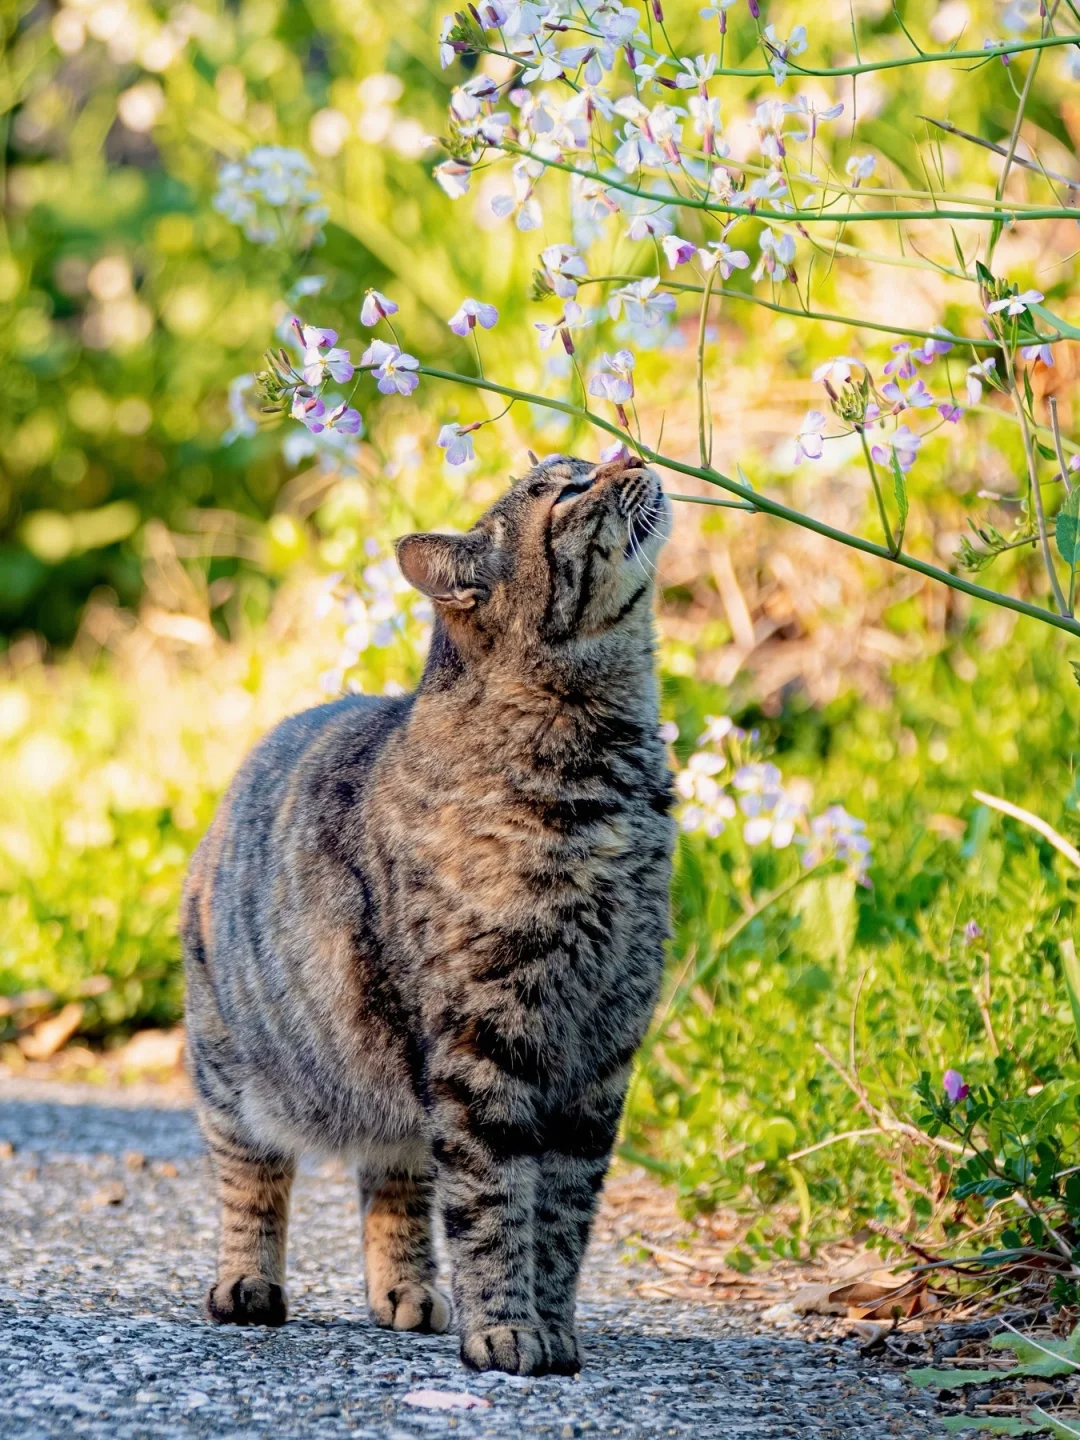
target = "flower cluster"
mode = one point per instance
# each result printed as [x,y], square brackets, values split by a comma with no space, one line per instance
[272,195]
[722,780]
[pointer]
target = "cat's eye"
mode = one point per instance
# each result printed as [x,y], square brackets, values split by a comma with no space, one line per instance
[576,487]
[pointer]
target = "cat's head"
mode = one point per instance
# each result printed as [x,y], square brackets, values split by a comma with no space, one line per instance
[566,558]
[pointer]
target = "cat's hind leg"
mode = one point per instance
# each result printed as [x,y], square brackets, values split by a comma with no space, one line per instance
[399,1258]
[253,1192]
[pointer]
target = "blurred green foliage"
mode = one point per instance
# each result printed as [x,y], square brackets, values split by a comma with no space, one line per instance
[127,305]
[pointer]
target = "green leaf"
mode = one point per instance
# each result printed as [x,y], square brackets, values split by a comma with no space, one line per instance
[958,250]
[826,909]
[1062,326]
[1057,1428]
[990,1425]
[1065,528]
[900,491]
[954,1379]
[984,275]
[1076,669]
[1070,964]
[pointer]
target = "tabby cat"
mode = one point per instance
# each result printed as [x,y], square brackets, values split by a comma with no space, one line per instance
[426,932]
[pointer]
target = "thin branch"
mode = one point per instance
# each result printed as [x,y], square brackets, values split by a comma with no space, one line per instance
[952,129]
[767,505]
[1035,822]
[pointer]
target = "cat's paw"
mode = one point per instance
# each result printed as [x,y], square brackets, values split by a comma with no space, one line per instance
[516,1349]
[412,1306]
[564,1354]
[247,1300]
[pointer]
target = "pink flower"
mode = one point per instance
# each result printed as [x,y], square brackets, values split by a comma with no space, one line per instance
[467,315]
[954,1085]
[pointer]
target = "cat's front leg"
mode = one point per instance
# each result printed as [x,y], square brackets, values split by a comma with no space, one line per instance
[484,1139]
[399,1262]
[578,1143]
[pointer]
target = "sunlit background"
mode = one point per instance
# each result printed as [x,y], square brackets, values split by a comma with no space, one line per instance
[174,577]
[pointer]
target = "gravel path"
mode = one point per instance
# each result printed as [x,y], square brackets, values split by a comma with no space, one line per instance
[106,1239]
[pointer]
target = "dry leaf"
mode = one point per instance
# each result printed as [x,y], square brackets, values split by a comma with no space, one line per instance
[48,1035]
[445,1400]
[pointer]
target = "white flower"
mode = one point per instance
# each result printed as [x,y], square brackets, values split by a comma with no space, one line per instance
[859,167]
[653,223]
[808,442]
[272,177]
[759,787]
[837,371]
[454,178]
[721,254]
[563,268]
[376,307]
[1015,304]
[392,368]
[777,826]
[469,314]
[522,204]
[616,381]
[717,728]
[643,307]
[782,50]
[458,446]
[976,375]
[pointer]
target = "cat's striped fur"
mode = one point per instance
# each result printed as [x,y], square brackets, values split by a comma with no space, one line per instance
[427,932]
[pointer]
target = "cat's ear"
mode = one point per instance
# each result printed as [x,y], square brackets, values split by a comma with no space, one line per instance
[449,569]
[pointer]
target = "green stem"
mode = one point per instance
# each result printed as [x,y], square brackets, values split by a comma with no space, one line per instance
[893,547]
[768,506]
[925,57]
[704,438]
[1014,138]
[823,315]
[804,217]
[1036,488]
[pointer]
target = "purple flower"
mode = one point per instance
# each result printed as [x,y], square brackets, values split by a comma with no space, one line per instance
[676,251]
[309,410]
[376,307]
[345,420]
[948,411]
[457,443]
[990,44]
[335,363]
[954,1085]
[468,313]
[564,269]
[972,932]
[1041,352]
[932,347]
[392,368]
[904,444]
[903,367]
